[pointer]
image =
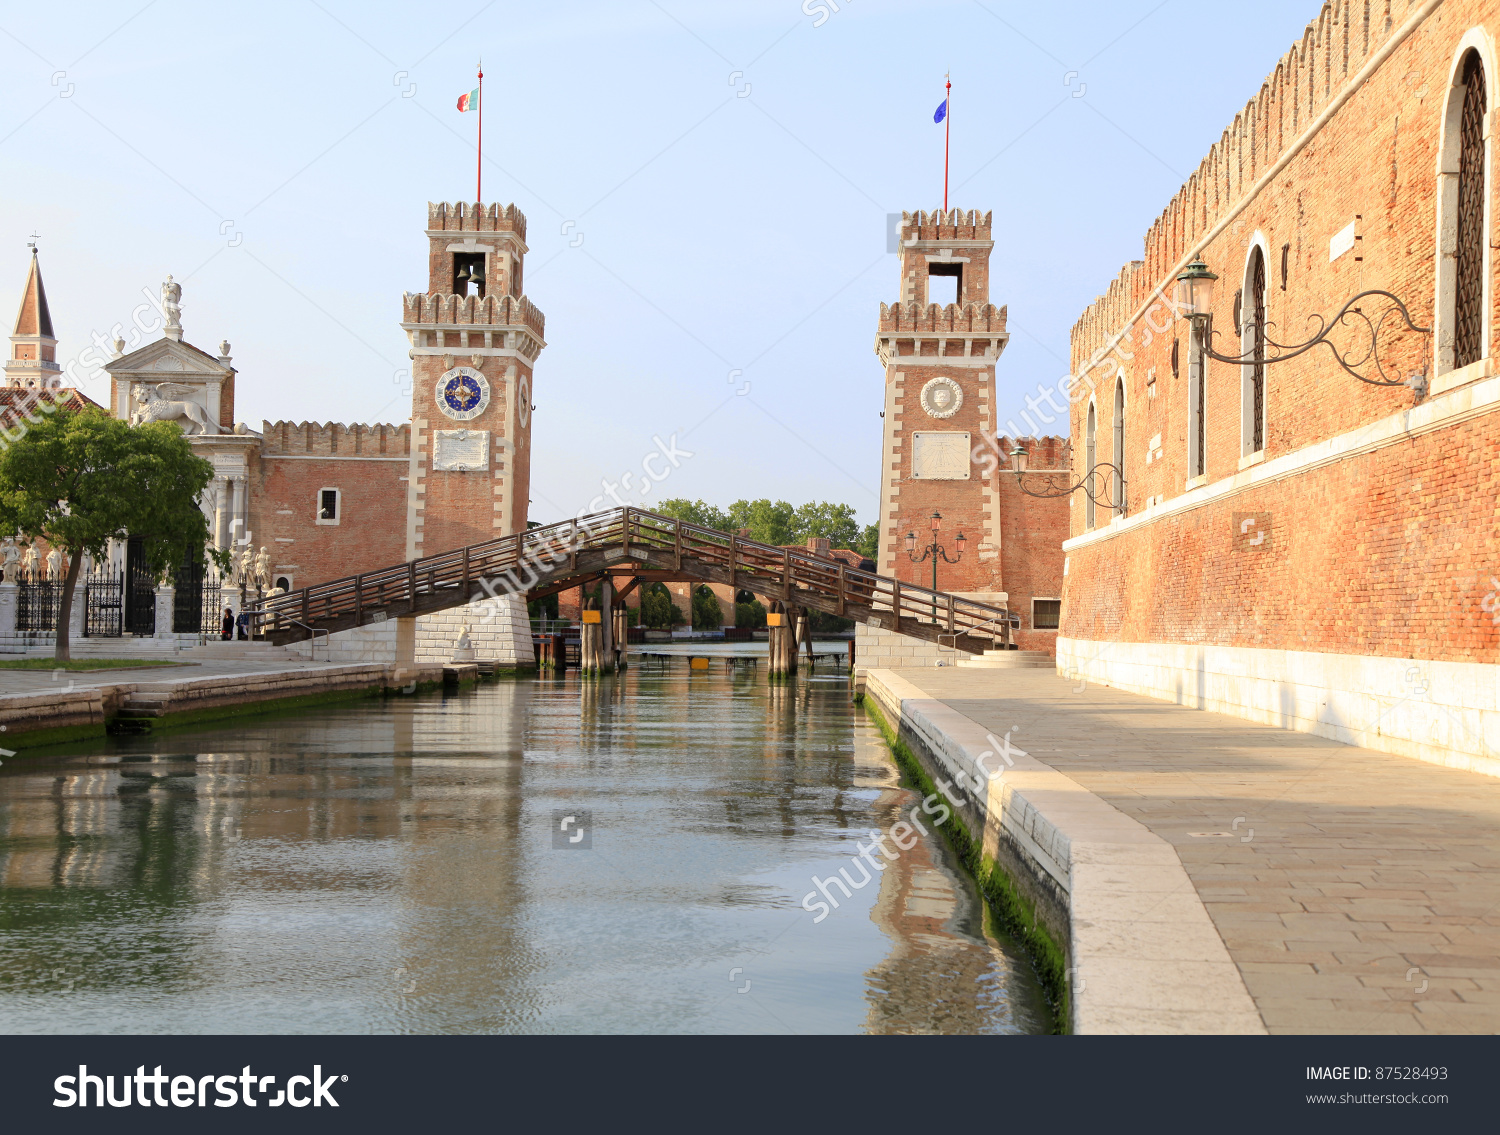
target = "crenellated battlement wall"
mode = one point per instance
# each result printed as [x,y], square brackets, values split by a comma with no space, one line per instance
[491,311]
[955,225]
[464,217]
[1318,67]
[334,439]
[971,318]
[1042,453]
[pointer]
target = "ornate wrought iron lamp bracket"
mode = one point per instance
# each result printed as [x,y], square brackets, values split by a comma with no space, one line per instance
[1361,359]
[1102,497]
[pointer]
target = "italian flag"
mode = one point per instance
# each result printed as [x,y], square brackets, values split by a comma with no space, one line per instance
[469,101]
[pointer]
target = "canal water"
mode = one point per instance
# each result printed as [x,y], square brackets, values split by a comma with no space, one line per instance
[541,856]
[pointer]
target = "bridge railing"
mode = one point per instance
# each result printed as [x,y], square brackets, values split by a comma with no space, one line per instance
[514,564]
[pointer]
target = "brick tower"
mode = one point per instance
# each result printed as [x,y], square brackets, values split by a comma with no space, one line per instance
[939,386]
[33,350]
[943,451]
[474,339]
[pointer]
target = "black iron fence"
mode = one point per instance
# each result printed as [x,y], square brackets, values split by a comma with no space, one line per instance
[103,604]
[37,602]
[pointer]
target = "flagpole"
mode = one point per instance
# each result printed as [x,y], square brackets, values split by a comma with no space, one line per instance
[479,168]
[947,128]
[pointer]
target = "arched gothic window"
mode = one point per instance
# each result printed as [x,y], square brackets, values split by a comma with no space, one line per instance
[1117,493]
[1091,459]
[1468,291]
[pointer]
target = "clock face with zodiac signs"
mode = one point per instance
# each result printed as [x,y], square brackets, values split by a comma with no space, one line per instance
[463,393]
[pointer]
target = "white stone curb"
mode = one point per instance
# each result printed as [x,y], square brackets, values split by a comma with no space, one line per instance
[1146,956]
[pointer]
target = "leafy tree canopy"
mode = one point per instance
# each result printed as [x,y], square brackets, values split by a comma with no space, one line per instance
[777,522]
[79,479]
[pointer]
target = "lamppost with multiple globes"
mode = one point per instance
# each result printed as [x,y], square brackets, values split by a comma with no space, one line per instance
[933,552]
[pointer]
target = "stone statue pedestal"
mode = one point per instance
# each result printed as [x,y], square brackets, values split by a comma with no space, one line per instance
[166,601]
[10,600]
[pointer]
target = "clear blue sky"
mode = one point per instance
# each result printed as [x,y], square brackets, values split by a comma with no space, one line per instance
[728,164]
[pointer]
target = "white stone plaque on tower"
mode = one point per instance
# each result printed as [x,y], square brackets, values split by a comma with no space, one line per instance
[461,451]
[940,455]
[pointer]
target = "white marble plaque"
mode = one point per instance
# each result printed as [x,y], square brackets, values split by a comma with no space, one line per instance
[940,455]
[461,451]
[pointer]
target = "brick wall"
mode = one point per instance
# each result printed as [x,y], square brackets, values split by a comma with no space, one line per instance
[1370,545]
[366,464]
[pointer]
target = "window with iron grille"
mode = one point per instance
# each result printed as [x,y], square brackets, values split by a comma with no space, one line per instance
[1200,430]
[1117,490]
[1090,460]
[1468,296]
[1046,614]
[1258,357]
[329,501]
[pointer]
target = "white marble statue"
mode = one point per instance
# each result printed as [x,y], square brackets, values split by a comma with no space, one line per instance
[171,307]
[30,562]
[463,649]
[55,564]
[154,403]
[263,568]
[244,567]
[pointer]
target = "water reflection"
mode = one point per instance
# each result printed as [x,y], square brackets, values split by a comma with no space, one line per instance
[393,867]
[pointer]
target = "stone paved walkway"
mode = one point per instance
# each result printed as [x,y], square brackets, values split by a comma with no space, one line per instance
[1357,892]
[40,681]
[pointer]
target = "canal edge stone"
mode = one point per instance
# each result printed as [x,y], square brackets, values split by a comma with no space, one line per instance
[1143,953]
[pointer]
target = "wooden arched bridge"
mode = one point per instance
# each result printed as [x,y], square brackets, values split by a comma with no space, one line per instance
[636,547]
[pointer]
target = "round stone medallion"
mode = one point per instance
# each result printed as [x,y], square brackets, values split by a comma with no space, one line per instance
[941,398]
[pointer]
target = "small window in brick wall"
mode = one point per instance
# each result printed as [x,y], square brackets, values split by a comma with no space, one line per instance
[284,582]
[329,506]
[1046,614]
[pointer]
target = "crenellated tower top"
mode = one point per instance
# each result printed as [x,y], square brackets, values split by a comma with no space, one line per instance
[953,244]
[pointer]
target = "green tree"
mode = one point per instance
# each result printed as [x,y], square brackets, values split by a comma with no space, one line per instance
[656,607]
[707,614]
[869,542]
[79,479]
[835,522]
[693,512]
[770,522]
[751,613]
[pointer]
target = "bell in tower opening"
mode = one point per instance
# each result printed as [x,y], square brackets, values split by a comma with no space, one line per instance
[468,270]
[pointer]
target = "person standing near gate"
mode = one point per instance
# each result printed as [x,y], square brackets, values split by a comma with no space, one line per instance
[242,625]
[227,630]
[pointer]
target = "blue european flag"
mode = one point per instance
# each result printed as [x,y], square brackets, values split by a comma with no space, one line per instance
[941,112]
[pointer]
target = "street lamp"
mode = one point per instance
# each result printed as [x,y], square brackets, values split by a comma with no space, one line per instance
[1195,291]
[1101,497]
[933,552]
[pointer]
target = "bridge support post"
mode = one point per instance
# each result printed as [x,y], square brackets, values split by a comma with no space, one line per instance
[621,635]
[591,635]
[607,624]
[782,639]
[406,640]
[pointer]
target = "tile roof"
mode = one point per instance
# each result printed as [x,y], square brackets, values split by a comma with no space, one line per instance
[34,318]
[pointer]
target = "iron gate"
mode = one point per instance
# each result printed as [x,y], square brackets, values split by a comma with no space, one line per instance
[38,599]
[103,611]
[139,590]
[195,604]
